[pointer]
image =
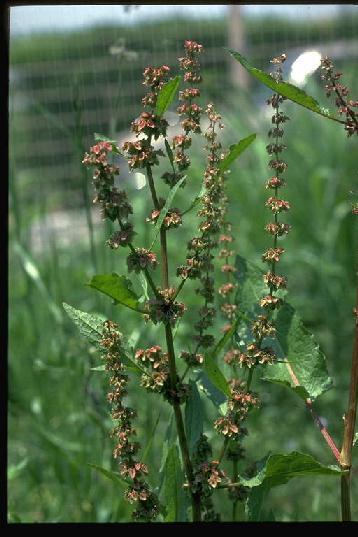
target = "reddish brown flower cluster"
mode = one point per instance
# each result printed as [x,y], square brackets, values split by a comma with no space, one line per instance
[345,106]
[141,154]
[126,450]
[199,259]
[173,218]
[164,309]
[123,237]
[241,401]
[140,259]
[154,78]
[207,475]
[113,202]
[188,110]
[156,362]
[150,125]
[192,359]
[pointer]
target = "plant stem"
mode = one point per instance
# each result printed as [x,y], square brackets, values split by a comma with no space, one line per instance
[349,425]
[223,449]
[316,418]
[234,476]
[195,498]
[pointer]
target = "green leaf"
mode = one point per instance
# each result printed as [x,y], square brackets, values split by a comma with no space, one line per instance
[165,209]
[102,138]
[14,470]
[280,468]
[91,327]
[151,438]
[251,287]
[255,503]
[197,199]
[166,95]
[169,152]
[300,349]
[194,416]
[294,343]
[33,273]
[215,375]
[224,340]
[113,476]
[116,287]
[99,368]
[295,94]
[173,486]
[235,151]
[209,389]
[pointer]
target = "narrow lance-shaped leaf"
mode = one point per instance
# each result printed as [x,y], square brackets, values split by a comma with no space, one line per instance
[225,339]
[210,390]
[102,138]
[197,199]
[194,416]
[33,272]
[169,152]
[116,287]
[165,209]
[235,151]
[166,96]
[215,375]
[173,484]
[112,476]
[290,91]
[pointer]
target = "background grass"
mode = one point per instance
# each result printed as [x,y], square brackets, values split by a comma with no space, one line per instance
[58,415]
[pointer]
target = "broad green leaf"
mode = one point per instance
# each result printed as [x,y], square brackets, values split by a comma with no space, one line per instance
[235,151]
[304,357]
[165,209]
[280,468]
[255,502]
[194,416]
[251,287]
[113,476]
[116,287]
[166,95]
[91,327]
[294,343]
[102,138]
[295,94]
[173,486]
[215,375]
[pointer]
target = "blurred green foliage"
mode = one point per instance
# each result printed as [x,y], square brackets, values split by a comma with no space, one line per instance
[58,414]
